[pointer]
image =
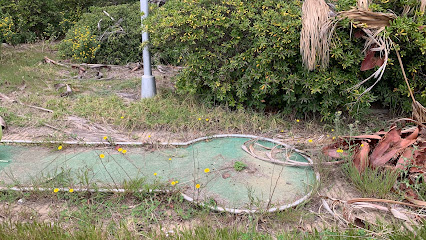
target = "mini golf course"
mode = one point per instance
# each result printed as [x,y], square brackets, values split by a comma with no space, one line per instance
[213,171]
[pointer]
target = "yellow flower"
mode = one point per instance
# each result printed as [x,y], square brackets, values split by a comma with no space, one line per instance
[197,186]
[149,136]
[120,149]
[105,138]
[101,156]
[207,119]
[173,183]
[56,190]
[122,117]
[339,150]
[332,130]
[170,159]
[124,151]
[282,131]
[177,182]
[310,140]
[328,135]
[199,119]
[207,170]
[297,120]
[155,174]
[334,138]
[60,147]
[71,190]
[362,145]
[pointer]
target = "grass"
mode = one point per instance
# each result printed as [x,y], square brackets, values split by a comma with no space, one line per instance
[376,183]
[31,82]
[38,230]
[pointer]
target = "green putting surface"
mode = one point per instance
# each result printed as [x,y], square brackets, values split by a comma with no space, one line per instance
[209,163]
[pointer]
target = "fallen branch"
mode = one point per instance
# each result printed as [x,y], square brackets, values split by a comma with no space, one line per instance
[35,107]
[383,201]
[48,60]
[138,66]
[23,104]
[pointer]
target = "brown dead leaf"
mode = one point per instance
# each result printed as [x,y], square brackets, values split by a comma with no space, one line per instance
[384,151]
[361,157]
[406,158]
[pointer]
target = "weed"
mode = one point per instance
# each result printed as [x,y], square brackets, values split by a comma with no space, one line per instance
[376,182]
[239,166]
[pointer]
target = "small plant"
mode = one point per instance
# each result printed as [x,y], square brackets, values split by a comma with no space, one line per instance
[376,182]
[239,166]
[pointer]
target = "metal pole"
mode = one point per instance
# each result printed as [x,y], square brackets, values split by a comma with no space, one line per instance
[148,89]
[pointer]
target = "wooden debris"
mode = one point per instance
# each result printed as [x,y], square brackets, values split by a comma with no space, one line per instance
[48,60]
[138,66]
[23,104]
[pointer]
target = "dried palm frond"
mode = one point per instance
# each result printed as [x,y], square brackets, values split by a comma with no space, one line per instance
[367,19]
[382,45]
[363,4]
[419,112]
[314,46]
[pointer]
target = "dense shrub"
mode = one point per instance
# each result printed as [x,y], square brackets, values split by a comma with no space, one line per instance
[38,19]
[96,37]
[246,53]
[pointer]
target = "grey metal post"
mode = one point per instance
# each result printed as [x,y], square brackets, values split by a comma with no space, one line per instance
[148,81]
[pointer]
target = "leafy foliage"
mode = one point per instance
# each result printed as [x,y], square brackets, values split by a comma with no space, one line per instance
[38,19]
[246,53]
[96,37]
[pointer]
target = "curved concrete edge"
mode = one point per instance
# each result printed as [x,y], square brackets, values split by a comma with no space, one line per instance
[186,197]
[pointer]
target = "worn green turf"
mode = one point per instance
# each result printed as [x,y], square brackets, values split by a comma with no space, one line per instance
[208,163]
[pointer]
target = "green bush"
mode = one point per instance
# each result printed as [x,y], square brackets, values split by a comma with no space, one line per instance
[101,38]
[246,53]
[40,19]
[81,43]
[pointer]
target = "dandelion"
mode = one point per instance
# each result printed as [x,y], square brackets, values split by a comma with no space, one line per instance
[207,170]
[297,120]
[334,138]
[207,119]
[60,147]
[332,130]
[105,138]
[362,145]
[71,190]
[282,131]
[176,182]
[199,119]
[124,151]
[120,149]
[102,156]
[339,150]
[310,140]
[149,136]
[197,186]
[173,183]
[122,117]
[56,190]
